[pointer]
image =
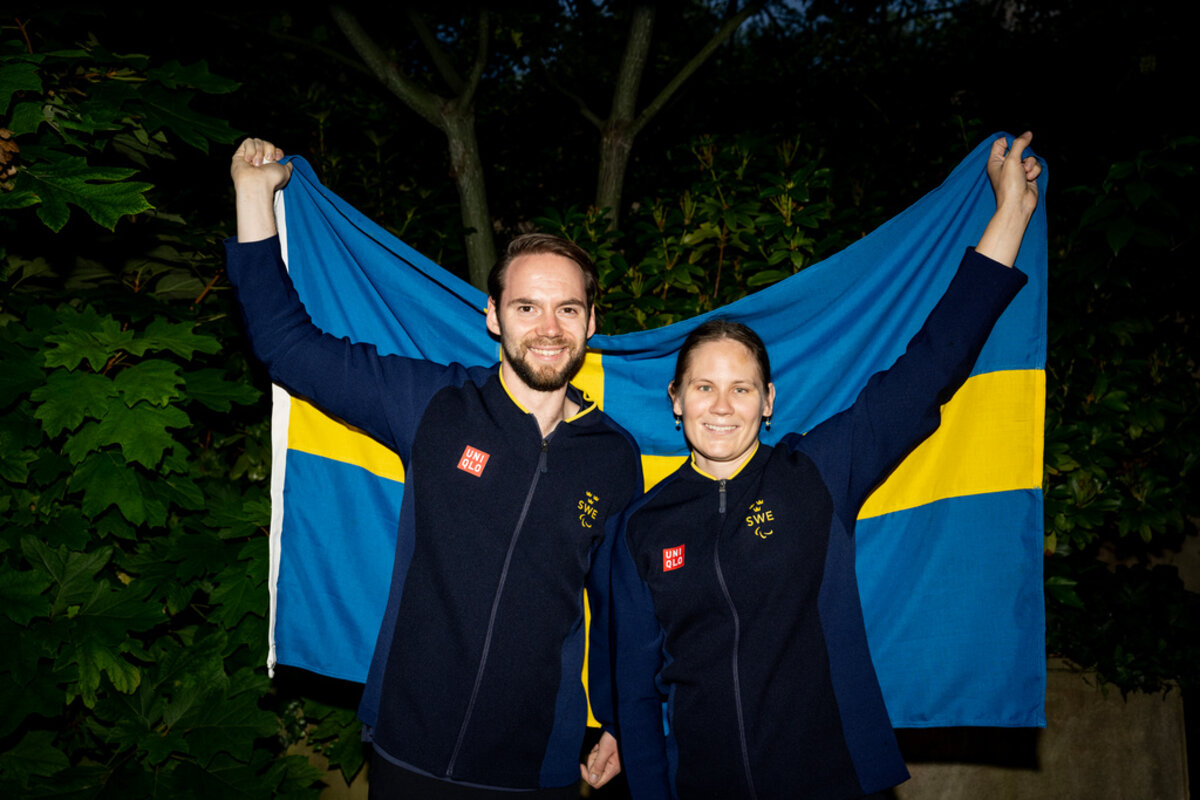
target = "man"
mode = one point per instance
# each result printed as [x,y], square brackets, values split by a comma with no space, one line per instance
[474,684]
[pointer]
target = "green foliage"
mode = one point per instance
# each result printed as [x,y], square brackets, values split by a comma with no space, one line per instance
[134,566]
[756,212]
[1121,443]
[331,730]
[1137,628]
[64,110]
[133,503]
[1120,449]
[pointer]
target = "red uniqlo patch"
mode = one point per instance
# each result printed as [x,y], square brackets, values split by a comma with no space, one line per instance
[672,558]
[473,461]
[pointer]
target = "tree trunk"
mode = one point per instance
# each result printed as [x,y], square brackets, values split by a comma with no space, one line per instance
[618,131]
[455,117]
[467,170]
[624,122]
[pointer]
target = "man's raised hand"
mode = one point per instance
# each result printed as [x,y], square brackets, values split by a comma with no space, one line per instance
[1014,179]
[257,174]
[258,160]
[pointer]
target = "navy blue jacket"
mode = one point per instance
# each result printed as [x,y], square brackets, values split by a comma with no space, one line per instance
[736,600]
[476,673]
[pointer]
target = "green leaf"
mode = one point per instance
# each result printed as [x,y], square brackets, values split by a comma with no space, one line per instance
[169,109]
[173,75]
[17,77]
[1062,589]
[767,276]
[154,380]
[67,529]
[1119,232]
[103,193]
[177,337]
[343,726]
[223,776]
[229,724]
[141,431]
[34,755]
[178,284]
[27,694]
[210,387]
[68,397]
[181,491]
[83,442]
[21,595]
[132,146]
[189,672]
[295,774]
[111,614]
[347,752]
[73,572]
[106,481]
[14,464]
[26,117]
[240,591]
[21,373]
[18,199]
[85,335]
[93,659]
[241,516]
[160,746]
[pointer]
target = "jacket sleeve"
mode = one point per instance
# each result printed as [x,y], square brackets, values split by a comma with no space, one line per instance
[599,586]
[638,660]
[382,394]
[858,448]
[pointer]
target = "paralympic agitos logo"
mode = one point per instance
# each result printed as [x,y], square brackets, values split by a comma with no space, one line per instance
[587,509]
[758,518]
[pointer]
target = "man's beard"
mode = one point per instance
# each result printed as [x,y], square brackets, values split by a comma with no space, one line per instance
[546,378]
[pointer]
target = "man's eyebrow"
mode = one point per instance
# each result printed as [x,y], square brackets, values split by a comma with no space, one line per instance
[529,301]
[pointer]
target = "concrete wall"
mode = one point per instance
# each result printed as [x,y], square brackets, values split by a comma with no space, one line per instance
[1095,746]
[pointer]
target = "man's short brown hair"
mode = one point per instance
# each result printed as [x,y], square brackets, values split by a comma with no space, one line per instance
[539,244]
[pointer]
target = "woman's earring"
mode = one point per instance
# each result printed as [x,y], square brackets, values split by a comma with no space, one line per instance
[678,421]
[768,420]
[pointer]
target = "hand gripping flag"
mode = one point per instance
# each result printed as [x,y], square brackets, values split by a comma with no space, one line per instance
[949,548]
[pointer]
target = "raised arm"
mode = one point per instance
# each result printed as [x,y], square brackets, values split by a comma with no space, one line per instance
[382,394]
[257,175]
[900,406]
[1014,180]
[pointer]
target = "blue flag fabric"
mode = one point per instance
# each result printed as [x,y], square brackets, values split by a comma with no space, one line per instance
[949,549]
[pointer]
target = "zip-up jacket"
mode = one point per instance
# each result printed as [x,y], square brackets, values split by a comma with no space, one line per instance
[475,677]
[736,600]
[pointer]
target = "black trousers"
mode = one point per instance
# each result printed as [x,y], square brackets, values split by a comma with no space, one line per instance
[390,782]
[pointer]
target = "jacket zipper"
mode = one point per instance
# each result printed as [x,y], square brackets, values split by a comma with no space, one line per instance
[487,639]
[737,635]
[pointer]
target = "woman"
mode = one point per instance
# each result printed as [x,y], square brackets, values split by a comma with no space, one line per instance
[733,580]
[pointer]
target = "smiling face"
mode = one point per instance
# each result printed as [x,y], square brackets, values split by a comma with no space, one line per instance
[722,401]
[542,320]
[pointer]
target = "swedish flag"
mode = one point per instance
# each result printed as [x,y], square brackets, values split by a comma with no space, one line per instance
[949,549]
